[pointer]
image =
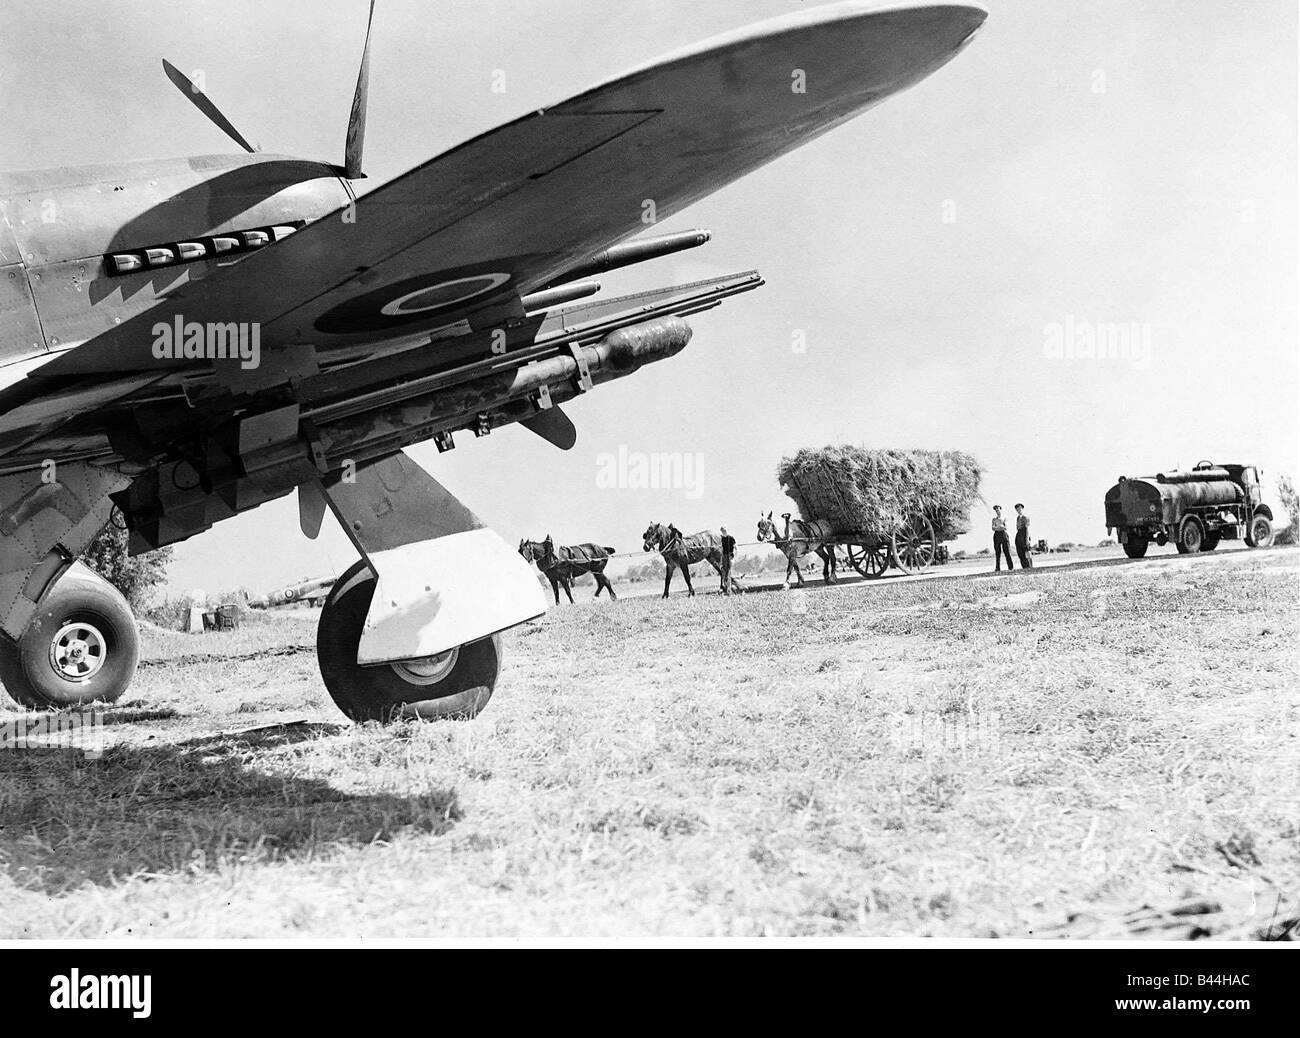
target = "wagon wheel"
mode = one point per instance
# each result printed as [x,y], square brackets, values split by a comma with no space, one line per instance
[869,560]
[913,546]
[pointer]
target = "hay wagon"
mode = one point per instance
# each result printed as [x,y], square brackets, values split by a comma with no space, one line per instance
[883,509]
[910,547]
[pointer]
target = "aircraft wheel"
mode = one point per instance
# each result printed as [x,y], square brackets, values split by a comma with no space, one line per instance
[81,647]
[454,684]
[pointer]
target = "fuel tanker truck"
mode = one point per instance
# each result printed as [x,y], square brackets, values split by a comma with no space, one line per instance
[1195,509]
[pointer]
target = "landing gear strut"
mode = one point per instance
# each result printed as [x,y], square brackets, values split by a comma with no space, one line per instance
[454,684]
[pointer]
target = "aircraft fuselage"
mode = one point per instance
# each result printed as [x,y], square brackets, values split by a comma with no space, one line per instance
[85,248]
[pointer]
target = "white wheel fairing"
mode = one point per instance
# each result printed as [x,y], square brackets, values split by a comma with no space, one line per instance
[423,671]
[448,293]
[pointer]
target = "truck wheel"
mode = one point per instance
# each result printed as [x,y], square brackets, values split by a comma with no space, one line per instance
[1260,532]
[1189,536]
[1210,542]
[1135,545]
[81,647]
[454,684]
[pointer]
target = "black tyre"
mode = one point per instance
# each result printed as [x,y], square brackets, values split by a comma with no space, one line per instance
[455,684]
[81,647]
[1135,546]
[1190,537]
[1210,542]
[1259,534]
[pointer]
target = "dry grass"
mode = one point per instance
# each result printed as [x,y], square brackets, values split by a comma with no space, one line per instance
[974,757]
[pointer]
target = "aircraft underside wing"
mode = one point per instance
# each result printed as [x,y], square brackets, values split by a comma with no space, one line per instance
[431,306]
[505,213]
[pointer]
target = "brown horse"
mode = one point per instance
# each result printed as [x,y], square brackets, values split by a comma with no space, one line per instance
[801,538]
[568,562]
[683,552]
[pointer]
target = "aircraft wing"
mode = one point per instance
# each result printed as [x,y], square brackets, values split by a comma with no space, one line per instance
[464,235]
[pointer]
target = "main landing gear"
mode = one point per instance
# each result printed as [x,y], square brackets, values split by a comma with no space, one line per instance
[454,684]
[411,630]
[81,647]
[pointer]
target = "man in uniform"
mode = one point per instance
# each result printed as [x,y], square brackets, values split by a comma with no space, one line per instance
[1001,546]
[728,550]
[1022,538]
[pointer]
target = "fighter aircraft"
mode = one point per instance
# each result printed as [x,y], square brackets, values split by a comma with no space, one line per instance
[310,590]
[184,339]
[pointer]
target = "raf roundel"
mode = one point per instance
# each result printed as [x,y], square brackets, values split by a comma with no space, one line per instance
[448,293]
[412,301]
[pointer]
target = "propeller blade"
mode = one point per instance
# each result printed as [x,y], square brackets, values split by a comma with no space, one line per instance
[357,121]
[200,101]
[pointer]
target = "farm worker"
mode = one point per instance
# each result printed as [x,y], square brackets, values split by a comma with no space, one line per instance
[728,550]
[1022,538]
[1001,546]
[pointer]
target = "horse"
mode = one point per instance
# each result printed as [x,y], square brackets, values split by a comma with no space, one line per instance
[683,552]
[800,538]
[570,561]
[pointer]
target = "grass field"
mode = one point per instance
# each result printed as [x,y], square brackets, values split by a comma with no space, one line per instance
[1105,752]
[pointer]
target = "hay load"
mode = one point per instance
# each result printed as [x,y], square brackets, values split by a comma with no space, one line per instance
[875,490]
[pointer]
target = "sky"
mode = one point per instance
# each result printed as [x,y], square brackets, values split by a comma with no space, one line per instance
[1125,163]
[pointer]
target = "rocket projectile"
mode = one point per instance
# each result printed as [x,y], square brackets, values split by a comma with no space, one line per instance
[631,252]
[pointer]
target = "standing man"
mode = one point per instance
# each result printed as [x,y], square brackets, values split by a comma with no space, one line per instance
[1022,538]
[1001,546]
[728,550]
